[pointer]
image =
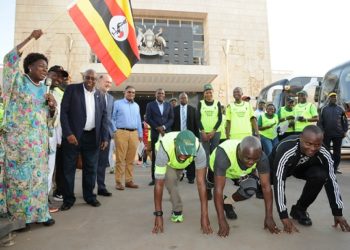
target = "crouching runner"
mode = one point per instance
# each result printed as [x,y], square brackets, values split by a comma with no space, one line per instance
[174,152]
[238,161]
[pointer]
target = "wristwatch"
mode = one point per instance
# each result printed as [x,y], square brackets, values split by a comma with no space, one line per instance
[158,213]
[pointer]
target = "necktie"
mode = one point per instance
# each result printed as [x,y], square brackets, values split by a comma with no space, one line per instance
[183,119]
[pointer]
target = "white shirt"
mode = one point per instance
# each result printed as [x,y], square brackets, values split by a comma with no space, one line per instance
[161,107]
[90,109]
[183,117]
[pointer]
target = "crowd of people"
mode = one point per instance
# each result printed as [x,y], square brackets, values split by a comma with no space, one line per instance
[44,134]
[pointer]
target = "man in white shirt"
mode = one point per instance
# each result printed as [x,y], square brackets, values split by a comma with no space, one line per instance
[84,130]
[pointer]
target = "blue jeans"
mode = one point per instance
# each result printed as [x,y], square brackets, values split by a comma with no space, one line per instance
[268,144]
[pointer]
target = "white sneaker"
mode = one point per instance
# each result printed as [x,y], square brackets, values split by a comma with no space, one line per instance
[58,197]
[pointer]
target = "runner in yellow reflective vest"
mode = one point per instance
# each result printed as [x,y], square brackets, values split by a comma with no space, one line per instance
[239,161]
[174,152]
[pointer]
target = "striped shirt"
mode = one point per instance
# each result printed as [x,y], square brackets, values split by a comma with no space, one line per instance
[286,158]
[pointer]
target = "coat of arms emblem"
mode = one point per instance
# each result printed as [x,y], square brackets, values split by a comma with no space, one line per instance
[149,43]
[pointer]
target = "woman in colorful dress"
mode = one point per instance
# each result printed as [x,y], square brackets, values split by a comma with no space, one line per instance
[28,113]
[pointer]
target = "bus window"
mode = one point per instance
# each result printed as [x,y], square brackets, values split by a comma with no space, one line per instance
[344,85]
[329,85]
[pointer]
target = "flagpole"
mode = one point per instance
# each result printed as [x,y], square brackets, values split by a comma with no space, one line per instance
[44,30]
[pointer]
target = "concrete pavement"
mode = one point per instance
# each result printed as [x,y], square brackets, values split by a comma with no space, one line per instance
[125,221]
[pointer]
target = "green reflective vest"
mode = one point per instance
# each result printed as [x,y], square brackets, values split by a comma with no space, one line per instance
[270,133]
[209,116]
[305,110]
[234,171]
[168,143]
[240,115]
[285,113]
[222,128]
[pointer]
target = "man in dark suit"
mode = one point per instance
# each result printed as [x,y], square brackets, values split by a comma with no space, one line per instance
[84,130]
[104,84]
[185,118]
[160,116]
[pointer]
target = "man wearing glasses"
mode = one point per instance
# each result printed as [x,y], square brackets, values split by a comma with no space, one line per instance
[84,130]
[126,124]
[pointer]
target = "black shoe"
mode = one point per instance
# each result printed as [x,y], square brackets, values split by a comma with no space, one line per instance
[301,216]
[230,213]
[104,193]
[191,181]
[49,222]
[151,183]
[209,194]
[65,206]
[94,203]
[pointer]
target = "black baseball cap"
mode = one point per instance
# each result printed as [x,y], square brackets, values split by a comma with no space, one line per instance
[59,69]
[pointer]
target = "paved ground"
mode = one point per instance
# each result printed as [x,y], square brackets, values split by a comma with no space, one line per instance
[124,221]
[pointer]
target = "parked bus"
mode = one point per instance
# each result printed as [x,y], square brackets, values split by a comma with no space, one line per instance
[276,92]
[338,80]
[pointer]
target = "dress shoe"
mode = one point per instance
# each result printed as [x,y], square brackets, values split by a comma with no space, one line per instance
[104,193]
[130,184]
[151,183]
[65,206]
[49,222]
[119,186]
[301,216]
[94,203]
[191,181]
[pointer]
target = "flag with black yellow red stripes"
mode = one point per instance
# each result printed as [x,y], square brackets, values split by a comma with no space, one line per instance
[108,27]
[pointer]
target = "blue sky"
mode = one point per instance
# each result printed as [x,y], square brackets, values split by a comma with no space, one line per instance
[7,25]
[306,36]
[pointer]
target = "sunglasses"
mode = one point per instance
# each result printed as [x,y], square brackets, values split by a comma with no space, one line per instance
[90,78]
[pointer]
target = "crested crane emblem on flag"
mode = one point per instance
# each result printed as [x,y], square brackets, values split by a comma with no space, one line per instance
[108,27]
[118,27]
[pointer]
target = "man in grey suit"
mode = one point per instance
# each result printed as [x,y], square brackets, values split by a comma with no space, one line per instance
[104,85]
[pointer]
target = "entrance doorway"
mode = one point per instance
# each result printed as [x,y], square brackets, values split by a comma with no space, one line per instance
[142,99]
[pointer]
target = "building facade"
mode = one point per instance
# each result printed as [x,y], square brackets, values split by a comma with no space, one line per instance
[183,45]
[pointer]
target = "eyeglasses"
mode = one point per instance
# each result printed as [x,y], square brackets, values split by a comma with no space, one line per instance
[90,78]
[130,92]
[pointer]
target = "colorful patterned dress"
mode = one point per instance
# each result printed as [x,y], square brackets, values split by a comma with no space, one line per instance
[24,146]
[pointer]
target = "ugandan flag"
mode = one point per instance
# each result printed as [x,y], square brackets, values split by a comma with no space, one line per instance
[108,27]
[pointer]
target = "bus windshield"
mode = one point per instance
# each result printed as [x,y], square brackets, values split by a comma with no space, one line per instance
[344,85]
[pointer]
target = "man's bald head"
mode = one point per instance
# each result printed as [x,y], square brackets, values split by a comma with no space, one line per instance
[249,151]
[311,140]
[250,142]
